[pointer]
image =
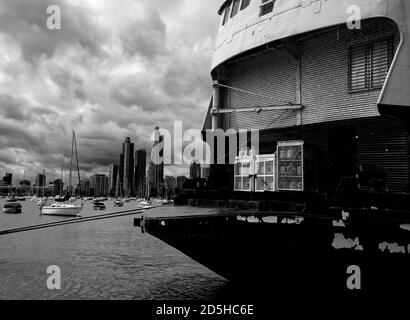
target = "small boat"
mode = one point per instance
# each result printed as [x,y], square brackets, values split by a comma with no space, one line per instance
[118,203]
[12,199]
[144,204]
[127,200]
[12,208]
[62,209]
[98,205]
[21,199]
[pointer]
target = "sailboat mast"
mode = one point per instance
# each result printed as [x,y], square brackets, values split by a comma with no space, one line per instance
[78,167]
[61,180]
[70,179]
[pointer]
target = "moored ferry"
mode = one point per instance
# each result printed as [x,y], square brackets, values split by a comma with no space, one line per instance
[324,184]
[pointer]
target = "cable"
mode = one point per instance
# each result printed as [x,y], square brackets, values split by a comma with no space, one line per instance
[256,94]
[74,221]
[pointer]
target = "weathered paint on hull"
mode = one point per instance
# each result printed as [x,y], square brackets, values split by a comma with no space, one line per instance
[288,255]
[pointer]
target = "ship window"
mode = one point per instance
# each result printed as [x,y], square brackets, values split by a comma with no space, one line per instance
[226,13]
[290,166]
[369,64]
[245,4]
[267,6]
[235,8]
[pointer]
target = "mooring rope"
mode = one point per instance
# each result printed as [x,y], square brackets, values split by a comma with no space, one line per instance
[74,221]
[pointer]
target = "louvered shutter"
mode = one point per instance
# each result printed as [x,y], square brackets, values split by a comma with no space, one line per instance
[369,64]
[358,68]
[380,62]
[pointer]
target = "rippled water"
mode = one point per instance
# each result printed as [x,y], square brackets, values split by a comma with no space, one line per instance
[107,259]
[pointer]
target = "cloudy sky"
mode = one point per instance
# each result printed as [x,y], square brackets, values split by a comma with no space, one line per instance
[117,68]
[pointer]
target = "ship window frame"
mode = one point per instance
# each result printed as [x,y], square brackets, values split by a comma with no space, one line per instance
[245,4]
[270,4]
[226,13]
[286,162]
[236,5]
[369,68]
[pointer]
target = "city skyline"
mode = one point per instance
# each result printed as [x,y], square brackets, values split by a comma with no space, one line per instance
[105,84]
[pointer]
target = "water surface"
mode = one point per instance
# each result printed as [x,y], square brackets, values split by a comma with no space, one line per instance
[107,259]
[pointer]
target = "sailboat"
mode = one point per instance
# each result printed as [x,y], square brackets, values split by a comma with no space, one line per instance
[63,207]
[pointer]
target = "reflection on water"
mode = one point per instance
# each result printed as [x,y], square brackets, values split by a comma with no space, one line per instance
[107,259]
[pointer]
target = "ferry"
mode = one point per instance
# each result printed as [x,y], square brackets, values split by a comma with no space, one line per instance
[320,184]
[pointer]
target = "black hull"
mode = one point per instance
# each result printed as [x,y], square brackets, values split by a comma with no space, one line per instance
[291,256]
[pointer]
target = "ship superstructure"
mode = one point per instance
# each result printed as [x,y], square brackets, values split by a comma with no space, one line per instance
[325,186]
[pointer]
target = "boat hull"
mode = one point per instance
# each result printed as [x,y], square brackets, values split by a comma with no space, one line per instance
[11,211]
[318,253]
[63,212]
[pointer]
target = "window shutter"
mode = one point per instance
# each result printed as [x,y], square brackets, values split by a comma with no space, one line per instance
[369,64]
[358,67]
[380,62]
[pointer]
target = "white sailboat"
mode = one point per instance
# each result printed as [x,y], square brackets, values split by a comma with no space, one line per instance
[66,208]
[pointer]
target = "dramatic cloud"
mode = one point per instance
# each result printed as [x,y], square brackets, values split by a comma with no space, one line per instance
[116,69]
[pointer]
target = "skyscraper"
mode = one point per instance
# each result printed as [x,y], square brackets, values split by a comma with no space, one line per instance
[8,178]
[128,152]
[58,187]
[140,172]
[120,179]
[99,185]
[195,170]
[41,180]
[205,171]
[113,179]
[40,183]
[156,167]
[181,181]
[170,185]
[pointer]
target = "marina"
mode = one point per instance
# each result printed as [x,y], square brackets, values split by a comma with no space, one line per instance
[105,259]
[255,152]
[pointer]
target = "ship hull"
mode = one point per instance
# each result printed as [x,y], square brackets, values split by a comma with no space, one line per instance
[289,256]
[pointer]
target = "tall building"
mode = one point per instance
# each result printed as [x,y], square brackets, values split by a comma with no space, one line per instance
[156,168]
[205,171]
[40,184]
[99,185]
[195,170]
[181,181]
[41,180]
[84,187]
[128,152]
[140,172]
[120,178]
[113,179]
[170,185]
[8,179]
[58,187]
